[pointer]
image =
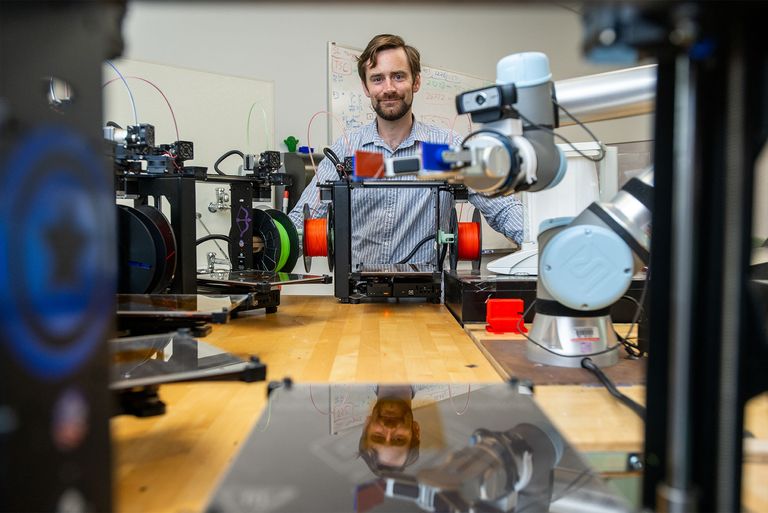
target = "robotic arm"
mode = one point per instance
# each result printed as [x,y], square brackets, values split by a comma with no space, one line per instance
[586,263]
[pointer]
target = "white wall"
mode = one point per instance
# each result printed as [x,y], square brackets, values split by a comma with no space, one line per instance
[287,44]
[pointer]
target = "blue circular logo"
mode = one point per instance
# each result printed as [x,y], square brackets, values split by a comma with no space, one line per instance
[57,263]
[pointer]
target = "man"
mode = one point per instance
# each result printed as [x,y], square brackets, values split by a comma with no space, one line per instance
[388,223]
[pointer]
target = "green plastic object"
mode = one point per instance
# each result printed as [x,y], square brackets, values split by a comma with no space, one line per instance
[291,143]
[445,237]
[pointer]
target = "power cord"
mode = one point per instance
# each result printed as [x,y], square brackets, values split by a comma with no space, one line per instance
[221,159]
[414,250]
[588,364]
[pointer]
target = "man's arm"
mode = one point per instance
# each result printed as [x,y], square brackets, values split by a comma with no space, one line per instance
[504,214]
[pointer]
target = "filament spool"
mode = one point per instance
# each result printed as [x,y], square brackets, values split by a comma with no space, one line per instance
[272,241]
[289,240]
[147,250]
[469,242]
[317,238]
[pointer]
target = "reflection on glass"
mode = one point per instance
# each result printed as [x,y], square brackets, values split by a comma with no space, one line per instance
[154,359]
[409,448]
[390,437]
[257,278]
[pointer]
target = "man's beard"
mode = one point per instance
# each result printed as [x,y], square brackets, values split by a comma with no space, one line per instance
[392,115]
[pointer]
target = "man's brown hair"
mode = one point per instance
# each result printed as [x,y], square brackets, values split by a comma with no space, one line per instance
[387,42]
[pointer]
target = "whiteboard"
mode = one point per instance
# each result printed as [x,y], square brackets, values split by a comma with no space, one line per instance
[211,110]
[435,103]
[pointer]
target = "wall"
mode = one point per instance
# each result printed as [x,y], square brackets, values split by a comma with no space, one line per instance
[287,44]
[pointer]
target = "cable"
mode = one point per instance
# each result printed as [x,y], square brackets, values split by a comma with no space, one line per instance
[466,404]
[309,144]
[414,250]
[213,236]
[588,364]
[598,353]
[569,143]
[582,125]
[168,103]
[200,218]
[453,124]
[221,159]
[130,93]
[311,398]
[631,349]
[248,125]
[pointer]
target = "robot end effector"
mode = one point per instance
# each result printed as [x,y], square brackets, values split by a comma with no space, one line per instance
[514,150]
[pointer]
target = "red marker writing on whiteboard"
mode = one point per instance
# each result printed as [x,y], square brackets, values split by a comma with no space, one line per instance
[285,202]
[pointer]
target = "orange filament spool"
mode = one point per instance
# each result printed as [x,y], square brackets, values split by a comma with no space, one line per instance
[315,237]
[469,241]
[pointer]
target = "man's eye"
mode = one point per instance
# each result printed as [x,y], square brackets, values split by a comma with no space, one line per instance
[375,80]
[399,76]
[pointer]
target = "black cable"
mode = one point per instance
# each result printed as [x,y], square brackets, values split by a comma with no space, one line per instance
[631,349]
[628,402]
[336,161]
[443,252]
[414,250]
[221,159]
[578,121]
[569,143]
[213,236]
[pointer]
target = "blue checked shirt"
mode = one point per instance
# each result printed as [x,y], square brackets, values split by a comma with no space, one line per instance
[388,222]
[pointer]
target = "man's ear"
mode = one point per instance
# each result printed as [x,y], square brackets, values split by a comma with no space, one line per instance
[416,431]
[365,89]
[417,83]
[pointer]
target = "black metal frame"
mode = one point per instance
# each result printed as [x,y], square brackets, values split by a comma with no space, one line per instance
[397,284]
[707,330]
[241,195]
[179,192]
[69,41]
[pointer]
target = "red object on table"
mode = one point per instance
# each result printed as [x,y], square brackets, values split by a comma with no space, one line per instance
[505,316]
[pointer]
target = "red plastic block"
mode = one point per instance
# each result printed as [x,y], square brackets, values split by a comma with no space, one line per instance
[505,316]
[369,164]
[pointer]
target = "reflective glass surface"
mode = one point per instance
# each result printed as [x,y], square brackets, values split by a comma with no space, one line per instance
[358,448]
[177,305]
[166,358]
[257,278]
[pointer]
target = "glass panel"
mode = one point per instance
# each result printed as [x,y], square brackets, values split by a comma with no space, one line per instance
[155,359]
[432,447]
[177,305]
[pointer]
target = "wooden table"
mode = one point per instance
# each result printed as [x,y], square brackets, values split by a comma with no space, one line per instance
[172,463]
[597,424]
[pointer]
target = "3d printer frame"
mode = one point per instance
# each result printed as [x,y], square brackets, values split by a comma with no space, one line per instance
[351,285]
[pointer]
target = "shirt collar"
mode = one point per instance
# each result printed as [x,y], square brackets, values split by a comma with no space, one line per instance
[370,135]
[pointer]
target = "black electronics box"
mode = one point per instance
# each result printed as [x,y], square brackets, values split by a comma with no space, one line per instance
[467,291]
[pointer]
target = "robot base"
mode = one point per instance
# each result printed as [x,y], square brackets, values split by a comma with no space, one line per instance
[570,338]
